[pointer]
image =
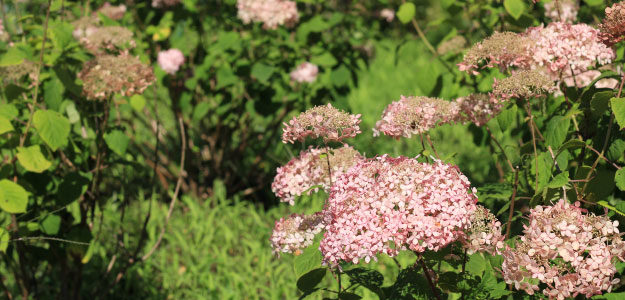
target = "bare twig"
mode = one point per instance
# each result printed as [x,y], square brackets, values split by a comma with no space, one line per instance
[529,113]
[428,277]
[176,191]
[512,199]
[427,136]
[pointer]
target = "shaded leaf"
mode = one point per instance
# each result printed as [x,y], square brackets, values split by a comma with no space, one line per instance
[117,141]
[308,281]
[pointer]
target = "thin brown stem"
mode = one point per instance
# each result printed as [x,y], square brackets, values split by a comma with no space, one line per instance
[529,113]
[38,73]
[511,213]
[183,151]
[427,136]
[492,136]
[428,277]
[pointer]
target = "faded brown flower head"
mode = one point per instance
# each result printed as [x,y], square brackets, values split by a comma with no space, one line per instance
[325,121]
[478,108]
[454,45]
[111,74]
[112,11]
[523,84]
[84,25]
[503,49]
[613,25]
[14,73]
[112,38]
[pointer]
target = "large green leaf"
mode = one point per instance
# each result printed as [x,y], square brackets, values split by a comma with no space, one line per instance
[52,127]
[618,108]
[262,72]
[5,125]
[309,260]
[515,8]
[13,197]
[308,282]
[619,178]
[557,129]
[12,57]
[117,141]
[50,225]
[32,159]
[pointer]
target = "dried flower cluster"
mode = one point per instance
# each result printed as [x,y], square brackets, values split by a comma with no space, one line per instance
[106,75]
[613,25]
[570,251]
[296,232]
[112,38]
[85,26]
[325,122]
[305,72]
[484,233]
[387,14]
[562,10]
[309,172]
[112,11]
[415,115]
[565,49]
[522,84]
[478,108]
[164,3]
[170,60]
[454,45]
[272,13]
[14,73]
[385,204]
[502,49]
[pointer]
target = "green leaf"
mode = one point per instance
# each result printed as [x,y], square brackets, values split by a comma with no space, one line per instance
[262,72]
[557,129]
[8,111]
[53,93]
[515,8]
[616,150]
[72,113]
[559,180]
[370,279]
[137,102]
[71,188]
[341,76]
[571,144]
[599,103]
[618,107]
[593,2]
[5,125]
[310,259]
[610,207]
[32,159]
[507,118]
[406,12]
[4,240]
[349,296]
[12,57]
[308,281]
[13,197]
[50,225]
[619,178]
[52,127]
[476,264]
[225,77]
[117,141]
[326,60]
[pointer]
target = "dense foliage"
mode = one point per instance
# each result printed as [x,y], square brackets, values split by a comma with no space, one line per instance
[447,149]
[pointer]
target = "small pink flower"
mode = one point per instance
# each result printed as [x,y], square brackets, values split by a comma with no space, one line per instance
[272,13]
[170,60]
[305,72]
[325,122]
[388,14]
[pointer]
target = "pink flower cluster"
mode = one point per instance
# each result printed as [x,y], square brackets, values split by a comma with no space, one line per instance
[562,10]
[325,122]
[309,172]
[502,49]
[385,204]
[387,14]
[296,232]
[613,25]
[564,48]
[478,108]
[415,115]
[306,72]
[272,13]
[112,11]
[170,60]
[484,233]
[567,249]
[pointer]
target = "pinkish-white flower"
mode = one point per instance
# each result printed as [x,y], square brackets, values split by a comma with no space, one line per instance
[305,72]
[293,234]
[170,60]
[387,14]
[383,205]
[272,13]
[326,122]
[562,10]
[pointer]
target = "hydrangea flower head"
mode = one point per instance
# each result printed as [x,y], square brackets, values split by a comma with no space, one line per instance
[170,60]
[569,250]
[309,172]
[502,49]
[97,39]
[613,25]
[272,13]
[564,48]
[387,14]
[293,234]
[385,204]
[415,115]
[325,122]
[164,3]
[478,108]
[523,84]
[112,11]
[106,75]
[305,72]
